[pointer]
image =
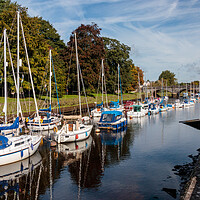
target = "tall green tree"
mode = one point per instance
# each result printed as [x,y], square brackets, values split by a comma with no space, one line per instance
[118,53]
[169,77]
[40,36]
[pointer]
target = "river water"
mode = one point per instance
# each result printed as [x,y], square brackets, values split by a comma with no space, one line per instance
[134,164]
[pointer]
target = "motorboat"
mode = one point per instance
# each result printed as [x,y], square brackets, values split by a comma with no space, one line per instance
[112,120]
[137,111]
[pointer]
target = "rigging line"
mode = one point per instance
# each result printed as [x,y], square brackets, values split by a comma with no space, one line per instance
[11,28]
[70,62]
[1,39]
[0,46]
[42,86]
[30,71]
[84,90]
[56,84]
[99,84]
[13,71]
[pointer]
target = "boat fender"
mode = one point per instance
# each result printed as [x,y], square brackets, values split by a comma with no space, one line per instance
[22,154]
[20,130]
[27,120]
[41,142]
[55,129]
[31,146]
[41,120]
[76,136]
[98,130]
[86,134]
[22,167]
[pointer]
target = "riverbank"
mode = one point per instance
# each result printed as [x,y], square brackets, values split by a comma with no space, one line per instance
[190,178]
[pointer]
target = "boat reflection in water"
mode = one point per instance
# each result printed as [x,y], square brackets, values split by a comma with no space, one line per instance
[112,137]
[77,158]
[12,178]
[73,151]
[112,149]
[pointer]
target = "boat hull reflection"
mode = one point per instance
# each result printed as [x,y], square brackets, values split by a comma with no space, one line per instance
[11,174]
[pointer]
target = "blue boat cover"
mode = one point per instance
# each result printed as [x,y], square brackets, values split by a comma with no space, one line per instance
[99,105]
[13,126]
[46,109]
[114,104]
[3,142]
[162,101]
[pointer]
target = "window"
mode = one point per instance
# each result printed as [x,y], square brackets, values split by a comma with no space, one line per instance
[17,144]
[118,117]
[107,117]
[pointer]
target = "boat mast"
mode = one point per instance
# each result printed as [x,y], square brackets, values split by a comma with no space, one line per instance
[118,82]
[5,81]
[78,78]
[50,78]
[102,77]
[162,89]
[18,66]
[29,69]
[120,86]
[139,87]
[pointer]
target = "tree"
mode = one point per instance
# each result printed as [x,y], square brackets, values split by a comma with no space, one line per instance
[90,53]
[117,53]
[40,36]
[169,77]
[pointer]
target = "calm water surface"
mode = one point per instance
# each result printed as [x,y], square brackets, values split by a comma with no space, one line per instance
[133,164]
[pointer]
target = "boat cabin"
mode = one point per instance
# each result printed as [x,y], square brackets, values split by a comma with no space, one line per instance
[110,116]
[112,120]
[137,108]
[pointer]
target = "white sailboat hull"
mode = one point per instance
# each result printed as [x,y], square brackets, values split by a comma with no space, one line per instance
[132,114]
[35,126]
[14,153]
[63,136]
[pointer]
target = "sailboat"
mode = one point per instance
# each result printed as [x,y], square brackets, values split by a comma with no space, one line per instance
[100,107]
[7,129]
[73,130]
[45,121]
[115,105]
[17,148]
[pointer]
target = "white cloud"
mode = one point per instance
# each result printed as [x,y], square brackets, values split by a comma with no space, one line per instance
[164,33]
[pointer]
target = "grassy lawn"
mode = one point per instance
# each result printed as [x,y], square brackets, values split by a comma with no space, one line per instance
[66,101]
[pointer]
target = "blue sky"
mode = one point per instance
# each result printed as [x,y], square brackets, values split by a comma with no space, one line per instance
[163,34]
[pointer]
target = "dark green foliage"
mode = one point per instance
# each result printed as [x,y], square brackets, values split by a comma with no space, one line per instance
[117,53]
[90,53]
[169,77]
[40,36]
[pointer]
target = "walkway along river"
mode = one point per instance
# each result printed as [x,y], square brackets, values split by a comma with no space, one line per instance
[135,164]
